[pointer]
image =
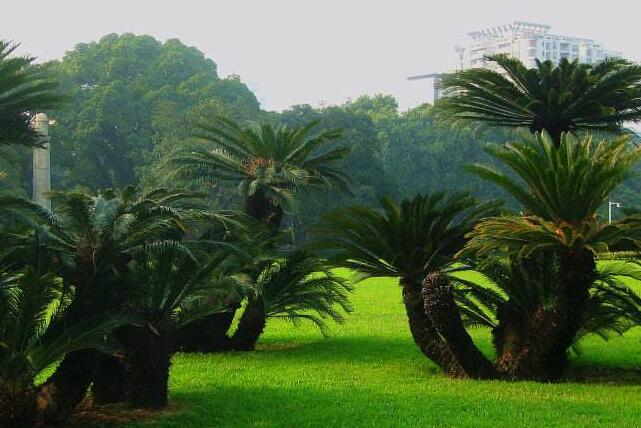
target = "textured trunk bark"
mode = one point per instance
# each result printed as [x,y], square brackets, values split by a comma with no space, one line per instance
[110,378]
[441,308]
[542,353]
[262,208]
[423,331]
[67,386]
[251,326]
[18,410]
[208,334]
[149,359]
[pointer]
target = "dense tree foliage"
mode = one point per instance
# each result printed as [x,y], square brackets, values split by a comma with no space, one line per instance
[127,94]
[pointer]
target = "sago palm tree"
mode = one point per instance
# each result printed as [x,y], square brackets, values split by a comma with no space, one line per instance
[34,334]
[296,287]
[167,289]
[268,164]
[96,238]
[513,292]
[560,190]
[24,91]
[556,98]
[410,241]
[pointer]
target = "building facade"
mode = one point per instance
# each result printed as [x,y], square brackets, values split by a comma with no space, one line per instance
[523,40]
[528,42]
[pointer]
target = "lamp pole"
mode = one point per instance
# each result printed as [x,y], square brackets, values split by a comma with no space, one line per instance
[610,205]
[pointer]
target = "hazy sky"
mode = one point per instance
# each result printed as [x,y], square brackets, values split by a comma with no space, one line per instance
[293,52]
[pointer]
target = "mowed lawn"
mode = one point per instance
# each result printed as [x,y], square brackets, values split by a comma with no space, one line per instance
[370,373]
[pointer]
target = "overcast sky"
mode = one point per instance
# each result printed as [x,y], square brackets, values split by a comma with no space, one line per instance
[322,51]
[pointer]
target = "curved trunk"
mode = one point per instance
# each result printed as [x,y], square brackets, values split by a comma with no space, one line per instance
[548,334]
[251,325]
[208,334]
[18,410]
[423,331]
[67,386]
[442,310]
[148,362]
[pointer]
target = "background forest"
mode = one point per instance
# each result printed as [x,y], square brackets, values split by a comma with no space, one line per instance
[131,98]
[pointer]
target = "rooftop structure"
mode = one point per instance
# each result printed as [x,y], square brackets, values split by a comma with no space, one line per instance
[523,40]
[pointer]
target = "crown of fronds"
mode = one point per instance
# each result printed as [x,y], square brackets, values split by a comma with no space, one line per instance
[555,97]
[406,240]
[24,91]
[560,190]
[276,161]
[300,286]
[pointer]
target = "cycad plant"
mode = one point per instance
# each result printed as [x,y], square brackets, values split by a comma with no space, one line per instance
[512,292]
[35,334]
[24,90]
[298,286]
[268,164]
[409,241]
[167,289]
[560,190]
[96,238]
[567,96]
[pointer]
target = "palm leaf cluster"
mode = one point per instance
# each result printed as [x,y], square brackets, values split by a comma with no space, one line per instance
[517,289]
[273,162]
[406,240]
[34,332]
[24,90]
[556,98]
[560,190]
[301,287]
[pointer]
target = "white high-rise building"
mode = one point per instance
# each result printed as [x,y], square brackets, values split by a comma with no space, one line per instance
[525,41]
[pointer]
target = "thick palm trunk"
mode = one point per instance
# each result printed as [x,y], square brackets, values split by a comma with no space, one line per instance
[208,334]
[251,326]
[542,352]
[262,209]
[423,331]
[109,381]
[68,385]
[442,310]
[149,359]
[18,410]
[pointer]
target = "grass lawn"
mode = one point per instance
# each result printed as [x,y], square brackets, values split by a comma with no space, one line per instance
[369,373]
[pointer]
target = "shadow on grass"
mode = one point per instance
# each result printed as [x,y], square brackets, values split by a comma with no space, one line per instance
[455,405]
[606,375]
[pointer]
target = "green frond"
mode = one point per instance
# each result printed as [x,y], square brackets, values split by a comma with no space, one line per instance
[407,240]
[24,91]
[553,97]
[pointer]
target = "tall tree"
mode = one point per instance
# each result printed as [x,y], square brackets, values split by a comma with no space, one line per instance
[127,94]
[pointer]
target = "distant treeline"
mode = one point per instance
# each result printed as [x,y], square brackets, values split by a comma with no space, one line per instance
[131,100]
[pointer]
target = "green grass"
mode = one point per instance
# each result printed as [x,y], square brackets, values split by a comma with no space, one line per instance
[370,373]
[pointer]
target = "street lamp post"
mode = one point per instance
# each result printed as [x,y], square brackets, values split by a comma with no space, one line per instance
[610,205]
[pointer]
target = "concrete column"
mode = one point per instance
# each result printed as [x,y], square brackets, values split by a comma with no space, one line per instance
[42,164]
